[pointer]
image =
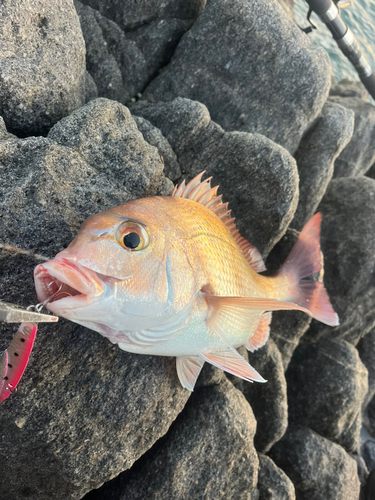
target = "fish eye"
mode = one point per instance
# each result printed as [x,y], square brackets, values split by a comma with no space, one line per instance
[132,236]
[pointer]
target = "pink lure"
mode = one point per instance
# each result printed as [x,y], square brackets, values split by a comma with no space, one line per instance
[14,360]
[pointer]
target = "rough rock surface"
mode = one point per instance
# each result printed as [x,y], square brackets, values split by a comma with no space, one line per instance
[359,154]
[318,468]
[366,349]
[348,245]
[42,64]
[327,383]
[348,88]
[252,77]
[316,157]
[208,453]
[259,178]
[81,417]
[273,483]
[154,137]
[269,400]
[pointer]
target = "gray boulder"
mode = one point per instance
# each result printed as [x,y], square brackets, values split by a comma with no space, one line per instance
[327,383]
[366,349]
[359,155]
[85,410]
[208,453]
[42,64]
[91,90]
[257,177]
[268,401]
[316,157]
[318,468]
[276,87]
[273,483]
[348,88]
[348,245]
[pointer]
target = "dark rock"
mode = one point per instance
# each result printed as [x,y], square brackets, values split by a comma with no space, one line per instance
[368,453]
[130,15]
[348,88]
[269,400]
[258,177]
[208,453]
[91,90]
[371,173]
[42,69]
[4,134]
[348,245]
[287,327]
[359,154]
[277,86]
[327,383]
[154,137]
[273,483]
[85,410]
[366,349]
[369,416]
[362,469]
[369,490]
[318,468]
[316,156]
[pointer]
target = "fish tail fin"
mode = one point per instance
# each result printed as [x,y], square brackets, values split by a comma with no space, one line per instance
[303,261]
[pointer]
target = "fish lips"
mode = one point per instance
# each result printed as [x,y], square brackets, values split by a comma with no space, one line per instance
[68,285]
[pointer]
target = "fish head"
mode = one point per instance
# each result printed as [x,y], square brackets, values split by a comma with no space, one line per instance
[113,276]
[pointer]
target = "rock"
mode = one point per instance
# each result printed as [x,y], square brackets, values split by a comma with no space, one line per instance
[318,468]
[368,453]
[277,86]
[369,490]
[362,469]
[115,63]
[273,483]
[287,327]
[316,157]
[91,90]
[269,400]
[85,410]
[371,173]
[258,178]
[208,453]
[154,137]
[42,54]
[359,155]
[4,134]
[366,350]
[348,88]
[130,15]
[327,383]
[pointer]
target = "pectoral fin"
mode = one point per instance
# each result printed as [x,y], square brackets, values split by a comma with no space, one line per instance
[188,370]
[261,335]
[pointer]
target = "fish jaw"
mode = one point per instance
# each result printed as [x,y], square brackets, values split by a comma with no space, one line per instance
[68,285]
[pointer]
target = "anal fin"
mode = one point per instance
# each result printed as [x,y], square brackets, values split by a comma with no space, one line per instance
[188,370]
[261,335]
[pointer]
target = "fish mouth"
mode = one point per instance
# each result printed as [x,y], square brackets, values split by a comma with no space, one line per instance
[63,285]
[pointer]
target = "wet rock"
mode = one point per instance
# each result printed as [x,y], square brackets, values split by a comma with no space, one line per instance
[277,86]
[316,157]
[154,137]
[327,383]
[359,155]
[257,177]
[366,349]
[85,410]
[42,54]
[269,400]
[273,483]
[208,453]
[348,245]
[348,88]
[287,327]
[318,468]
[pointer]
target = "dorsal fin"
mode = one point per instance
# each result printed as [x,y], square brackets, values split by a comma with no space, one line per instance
[202,192]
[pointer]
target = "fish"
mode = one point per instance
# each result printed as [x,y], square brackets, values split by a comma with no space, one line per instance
[172,276]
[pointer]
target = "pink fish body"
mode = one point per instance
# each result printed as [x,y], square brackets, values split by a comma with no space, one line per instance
[171,276]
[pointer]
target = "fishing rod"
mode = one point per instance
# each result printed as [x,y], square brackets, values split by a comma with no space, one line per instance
[329,13]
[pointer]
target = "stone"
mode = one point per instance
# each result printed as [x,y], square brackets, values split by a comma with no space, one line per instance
[269,400]
[348,88]
[154,137]
[368,453]
[4,134]
[91,90]
[316,157]
[277,86]
[208,453]
[287,327]
[369,490]
[318,468]
[348,246]
[366,350]
[257,177]
[359,155]
[42,61]
[327,383]
[362,469]
[84,410]
[273,483]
